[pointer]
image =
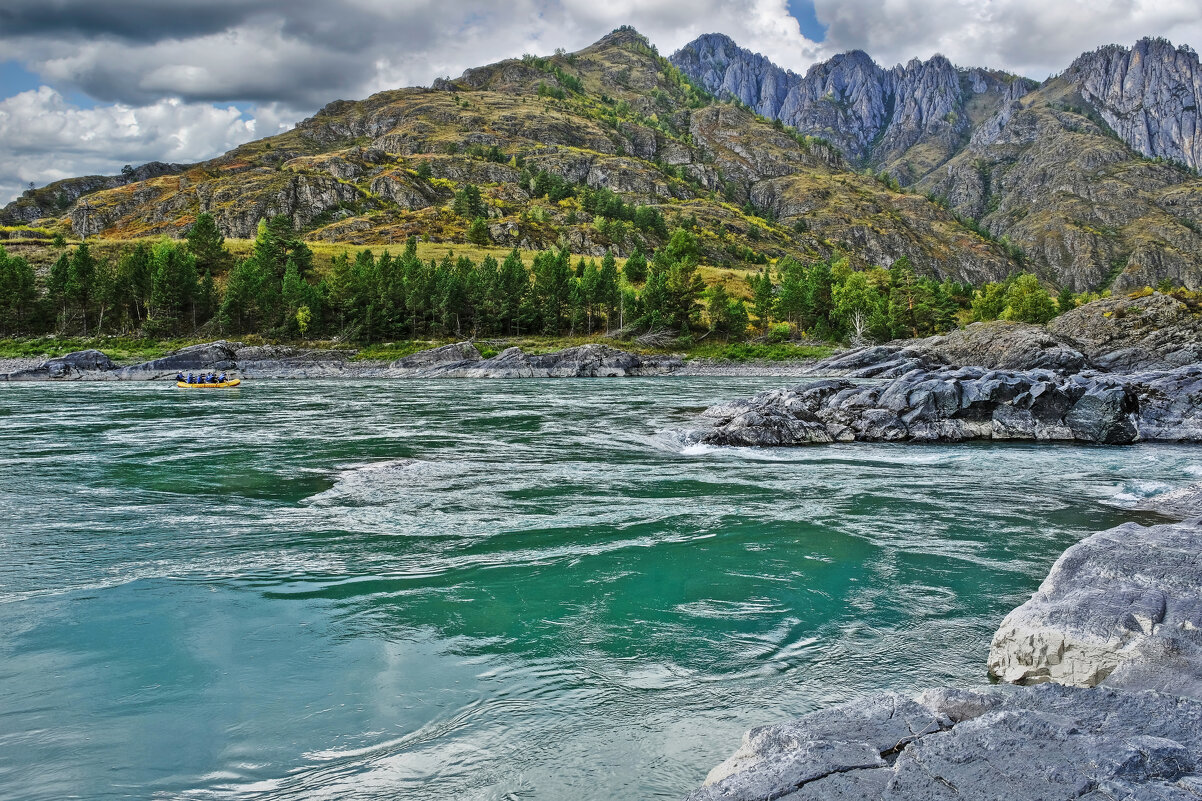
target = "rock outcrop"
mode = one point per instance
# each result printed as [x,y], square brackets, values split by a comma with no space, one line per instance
[584,361]
[1154,332]
[70,366]
[457,353]
[1150,94]
[1122,608]
[1046,742]
[940,405]
[1122,334]
[210,356]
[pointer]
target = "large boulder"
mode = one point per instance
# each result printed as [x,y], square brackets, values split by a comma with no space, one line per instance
[1001,345]
[80,364]
[1123,608]
[209,356]
[1038,743]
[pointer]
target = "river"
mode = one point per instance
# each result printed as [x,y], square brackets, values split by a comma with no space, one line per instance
[482,589]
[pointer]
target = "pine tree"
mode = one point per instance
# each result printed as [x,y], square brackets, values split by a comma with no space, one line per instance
[468,203]
[1066,300]
[635,269]
[609,290]
[477,232]
[80,279]
[208,245]
[763,298]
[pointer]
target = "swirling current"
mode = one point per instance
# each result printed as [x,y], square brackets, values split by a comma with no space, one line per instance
[482,589]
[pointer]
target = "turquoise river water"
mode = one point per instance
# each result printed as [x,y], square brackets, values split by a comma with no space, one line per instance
[482,590]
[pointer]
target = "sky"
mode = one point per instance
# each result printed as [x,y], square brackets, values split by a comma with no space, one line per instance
[87,86]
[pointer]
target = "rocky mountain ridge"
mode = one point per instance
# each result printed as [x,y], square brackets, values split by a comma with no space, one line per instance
[614,117]
[1092,174]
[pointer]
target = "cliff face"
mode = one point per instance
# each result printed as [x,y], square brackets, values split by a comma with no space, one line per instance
[1072,172]
[1149,94]
[873,115]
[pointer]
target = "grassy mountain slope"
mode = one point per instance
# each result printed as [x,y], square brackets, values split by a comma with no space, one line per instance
[1089,212]
[613,116]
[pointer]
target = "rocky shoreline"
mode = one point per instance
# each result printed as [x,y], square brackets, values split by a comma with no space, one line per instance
[460,360]
[1108,654]
[1101,670]
[1114,372]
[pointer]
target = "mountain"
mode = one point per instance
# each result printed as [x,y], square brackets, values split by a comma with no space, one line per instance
[1093,174]
[536,135]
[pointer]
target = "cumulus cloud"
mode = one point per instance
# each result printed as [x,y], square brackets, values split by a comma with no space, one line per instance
[43,137]
[181,63]
[1035,38]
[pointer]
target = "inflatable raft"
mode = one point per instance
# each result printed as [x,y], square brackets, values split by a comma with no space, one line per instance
[233,382]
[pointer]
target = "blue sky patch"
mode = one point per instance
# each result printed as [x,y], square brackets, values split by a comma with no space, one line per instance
[803,11]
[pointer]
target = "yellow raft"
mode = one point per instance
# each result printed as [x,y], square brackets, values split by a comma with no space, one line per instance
[232,383]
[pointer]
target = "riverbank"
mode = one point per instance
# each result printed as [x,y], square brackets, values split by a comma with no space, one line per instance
[1104,700]
[453,360]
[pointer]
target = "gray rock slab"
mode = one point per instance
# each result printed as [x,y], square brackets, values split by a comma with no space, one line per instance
[1045,743]
[1122,608]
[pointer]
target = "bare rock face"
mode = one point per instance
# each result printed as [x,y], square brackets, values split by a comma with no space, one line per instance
[1047,742]
[1150,94]
[868,112]
[1156,332]
[1122,608]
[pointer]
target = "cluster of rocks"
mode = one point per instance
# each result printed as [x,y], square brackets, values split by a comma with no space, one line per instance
[1101,670]
[460,360]
[1116,628]
[996,381]
[1122,607]
[585,361]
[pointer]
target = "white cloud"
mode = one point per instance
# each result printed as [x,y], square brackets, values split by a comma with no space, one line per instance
[44,138]
[1035,38]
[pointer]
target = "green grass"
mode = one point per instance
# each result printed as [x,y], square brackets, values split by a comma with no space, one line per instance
[123,350]
[753,352]
[131,350]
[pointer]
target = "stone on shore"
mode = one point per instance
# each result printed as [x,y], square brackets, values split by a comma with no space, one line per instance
[209,356]
[584,361]
[1030,743]
[69,366]
[1121,608]
[457,353]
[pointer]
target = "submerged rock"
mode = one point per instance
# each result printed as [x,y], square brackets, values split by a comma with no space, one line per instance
[1179,503]
[1121,608]
[1046,742]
